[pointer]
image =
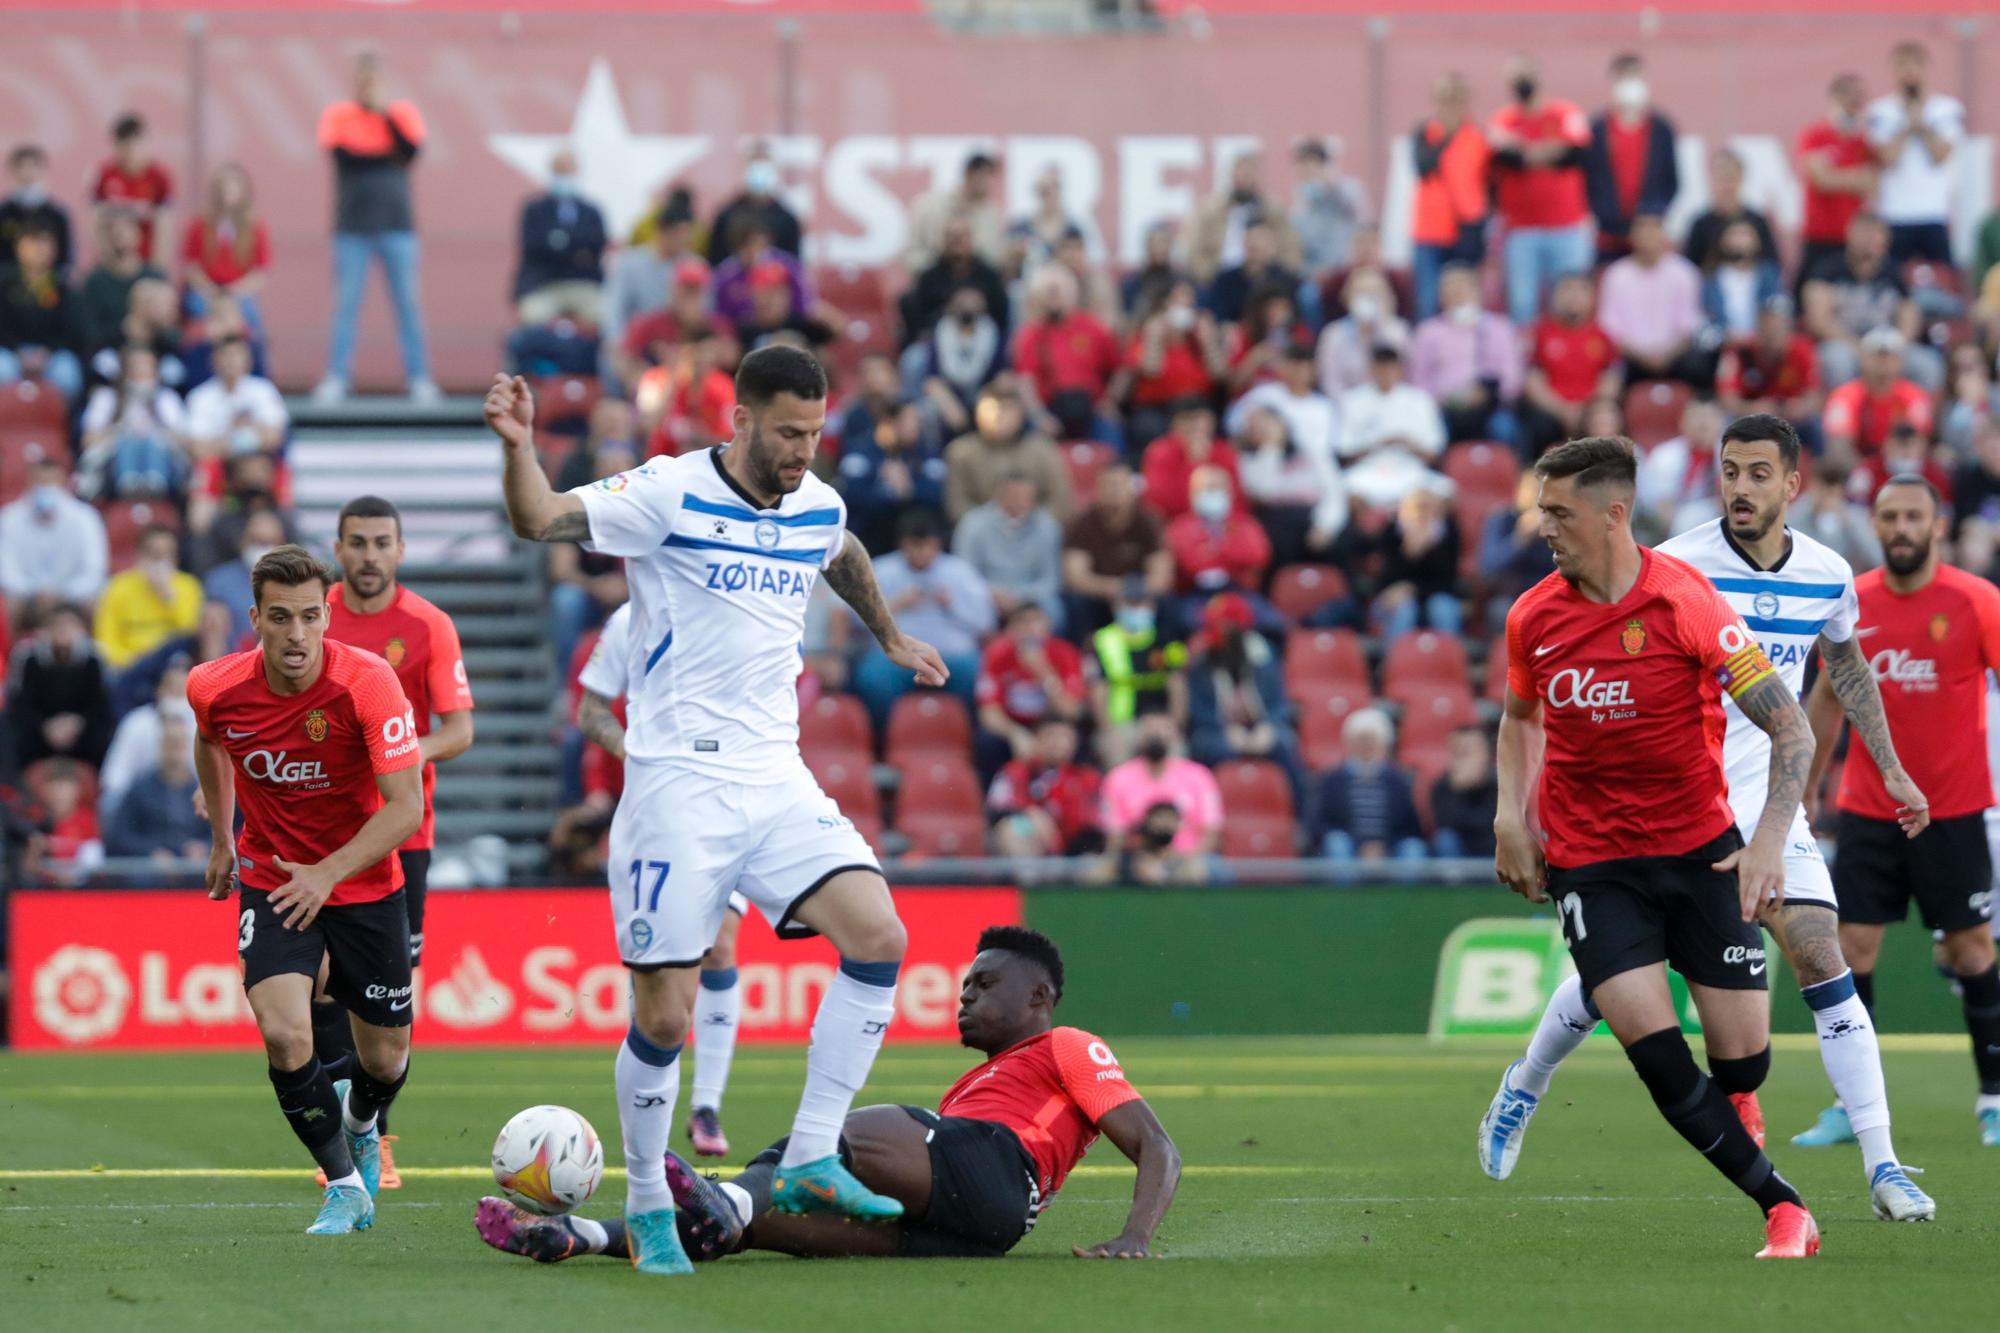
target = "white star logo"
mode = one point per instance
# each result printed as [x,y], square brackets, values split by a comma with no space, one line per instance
[617,170]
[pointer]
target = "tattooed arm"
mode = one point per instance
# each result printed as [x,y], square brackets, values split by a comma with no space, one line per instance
[1847,671]
[1760,867]
[597,722]
[852,576]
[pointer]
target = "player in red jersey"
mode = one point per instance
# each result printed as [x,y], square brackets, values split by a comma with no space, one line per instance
[370,609]
[327,752]
[972,1176]
[1616,665]
[1931,633]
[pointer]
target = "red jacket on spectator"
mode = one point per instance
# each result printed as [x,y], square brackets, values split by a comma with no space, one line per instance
[217,256]
[1539,196]
[1007,684]
[1827,214]
[1068,795]
[1208,559]
[1451,182]
[1183,372]
[1168,464]
[1748,370]
[1854,413]
[1077,353]
[1573,358]
[145,191]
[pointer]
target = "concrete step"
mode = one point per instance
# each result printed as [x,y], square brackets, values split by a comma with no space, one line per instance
[493,789]
[481,663]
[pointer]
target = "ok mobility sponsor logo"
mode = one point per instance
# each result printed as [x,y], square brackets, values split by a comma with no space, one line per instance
[742,576]
[1496,974]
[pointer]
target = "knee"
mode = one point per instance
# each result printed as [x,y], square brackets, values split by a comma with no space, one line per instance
[385,1053]
[880,941]
[1744,1075]
[721,956]
[662,1023]
[1666,1066]
[1969,952]
[288,1047]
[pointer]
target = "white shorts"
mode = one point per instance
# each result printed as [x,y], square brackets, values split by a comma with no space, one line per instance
[1806,877]
[684,843]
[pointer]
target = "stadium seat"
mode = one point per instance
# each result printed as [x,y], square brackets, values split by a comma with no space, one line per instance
[1319,727]
[1653,410]
[1253,787]
[1300,590]
[1084,459]
[125,520]
[1496,669]
[859,294]
[19,448]
[1260,837]
[565,400]
[1423,662]
[939,784]
[852,787]
[837,723]
[1478,467]
[1427,720]
[1323,660]
[1426,765]
[33,404]
[944,833]
[927,724]
[1941,278]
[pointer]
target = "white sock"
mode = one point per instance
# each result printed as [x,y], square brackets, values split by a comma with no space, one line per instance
[846,1034]
[739,1199]
[1987,1101]
[716,1014]
[352,1180]
[592,1234]
[347,1118]
[1564,1026]
[1853,1058]
[649,1078]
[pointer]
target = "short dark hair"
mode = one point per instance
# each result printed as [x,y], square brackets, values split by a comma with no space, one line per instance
[27,152]
[1625,60]
[1595,460]
[770,371]
[34,226]
[918,525]
[1766,426]
[127,126]
[231,340]
[1029,944]
[981,161]
[366,506]
[289,567]
[153,530]
[1916,479]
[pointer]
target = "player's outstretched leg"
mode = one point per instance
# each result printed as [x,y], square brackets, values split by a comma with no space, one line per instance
[648,1074]
[718,1012]
[282,1005]
[854,912]
[1566,1022]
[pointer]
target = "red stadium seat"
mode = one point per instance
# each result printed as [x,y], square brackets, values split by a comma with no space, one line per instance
[1496,669]
[561,399]
[1325,659]
[927,724]
[939,784]
[1425,765]
[1084,459]
[859,294]
[1938,277]
[837,722]
[944,833]
[1253,787]
[19,449]
[35,778]
[1300,590]
[1484,469]
[125,520]
[1319,727]
[1430,718]
[34,404]
[1423,662]
[1653,410]
[852,787]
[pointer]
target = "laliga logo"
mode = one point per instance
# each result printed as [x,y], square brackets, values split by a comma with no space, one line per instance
[1571,688]
[268,767]
[81,994]
[1897,665]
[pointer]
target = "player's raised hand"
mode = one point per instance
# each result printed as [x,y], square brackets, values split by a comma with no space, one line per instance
[919,657]
[1760,874]
[221,876]
[1124,1247]
[1913,808]
[1518,863]
[510,410]
[300,897]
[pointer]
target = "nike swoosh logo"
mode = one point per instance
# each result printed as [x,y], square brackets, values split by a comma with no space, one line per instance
[1757,971]
[826,1192]
[235,735]
[397,1008]
[1547,648]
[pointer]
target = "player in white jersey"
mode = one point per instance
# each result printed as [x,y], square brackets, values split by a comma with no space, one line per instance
[722,548]
[719,1009]
[1798,597]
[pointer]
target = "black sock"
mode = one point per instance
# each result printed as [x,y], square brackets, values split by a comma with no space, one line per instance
[1981,997]
[1745,1075]
[333,1039]
[306,1097]
[368,1096]
[614,1244]
[1700,1112]
[1864,986]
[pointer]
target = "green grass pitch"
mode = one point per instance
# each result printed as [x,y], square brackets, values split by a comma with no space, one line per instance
[1330,1184]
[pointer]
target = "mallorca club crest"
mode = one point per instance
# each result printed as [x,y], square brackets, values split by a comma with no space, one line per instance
[1633,639]
[1939,627]
[316,725]
[394,652]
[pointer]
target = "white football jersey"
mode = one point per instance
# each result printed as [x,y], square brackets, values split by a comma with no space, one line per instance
[717,610]
[607,671]
[1809,593]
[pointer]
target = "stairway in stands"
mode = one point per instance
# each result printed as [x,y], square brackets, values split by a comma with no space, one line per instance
[442,470]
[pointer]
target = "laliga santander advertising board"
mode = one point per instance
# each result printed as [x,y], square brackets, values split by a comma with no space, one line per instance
[502,967]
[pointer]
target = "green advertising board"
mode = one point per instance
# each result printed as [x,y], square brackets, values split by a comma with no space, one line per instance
[1495,976]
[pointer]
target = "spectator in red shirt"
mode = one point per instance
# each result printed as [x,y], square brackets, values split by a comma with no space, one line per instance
[656,337]
[1839,170]
[1775,372]
[1074,363]
[227,249]
[1538,152]
[689,402]
[132,182]
[1571,361]
[1216,545]
[1906,453]
[1045,803]
[1630,166]
[1175,353]
[1025,674]
[1861,413]
[1170,461]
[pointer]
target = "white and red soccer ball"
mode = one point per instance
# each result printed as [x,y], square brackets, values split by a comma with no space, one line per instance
[548,1159]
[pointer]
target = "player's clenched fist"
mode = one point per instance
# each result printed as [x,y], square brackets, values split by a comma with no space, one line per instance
[510,409]
[1518,863]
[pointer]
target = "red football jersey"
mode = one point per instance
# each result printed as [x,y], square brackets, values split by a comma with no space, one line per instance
[1631,695]
[145,192]
[421,644]
[1931,650]
[1051,1090]
[306,763]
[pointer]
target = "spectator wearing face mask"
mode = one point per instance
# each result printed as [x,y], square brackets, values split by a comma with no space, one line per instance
[1175,353]
[229,582]
[1347,345]
[236,412]
[1163,812]
[1136,668]
[758,203]
[1630,168]
[58,695]
[958,266]
[1468,359]
[962,354]
[560,271]
[153,601]
[1367,810]
[1216,545]
[1217,239]
[1539,189]
[134,433]
[52,545]
[29,203]
[1839,171]
[1452,159]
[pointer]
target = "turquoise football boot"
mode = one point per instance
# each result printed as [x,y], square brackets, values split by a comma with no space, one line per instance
[656,1243]
[344,1210]
[1831,1128]
[827,1186]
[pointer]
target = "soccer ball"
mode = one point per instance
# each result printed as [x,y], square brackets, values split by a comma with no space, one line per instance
[548,1159]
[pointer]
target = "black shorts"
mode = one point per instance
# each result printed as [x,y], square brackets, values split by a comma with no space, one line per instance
[366,945]
[416,881]
[984,1198]
[1948,869]
[1640,910]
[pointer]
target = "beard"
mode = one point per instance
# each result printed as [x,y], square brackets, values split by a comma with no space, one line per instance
[764,468]
[1904,560]
[1755,526]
